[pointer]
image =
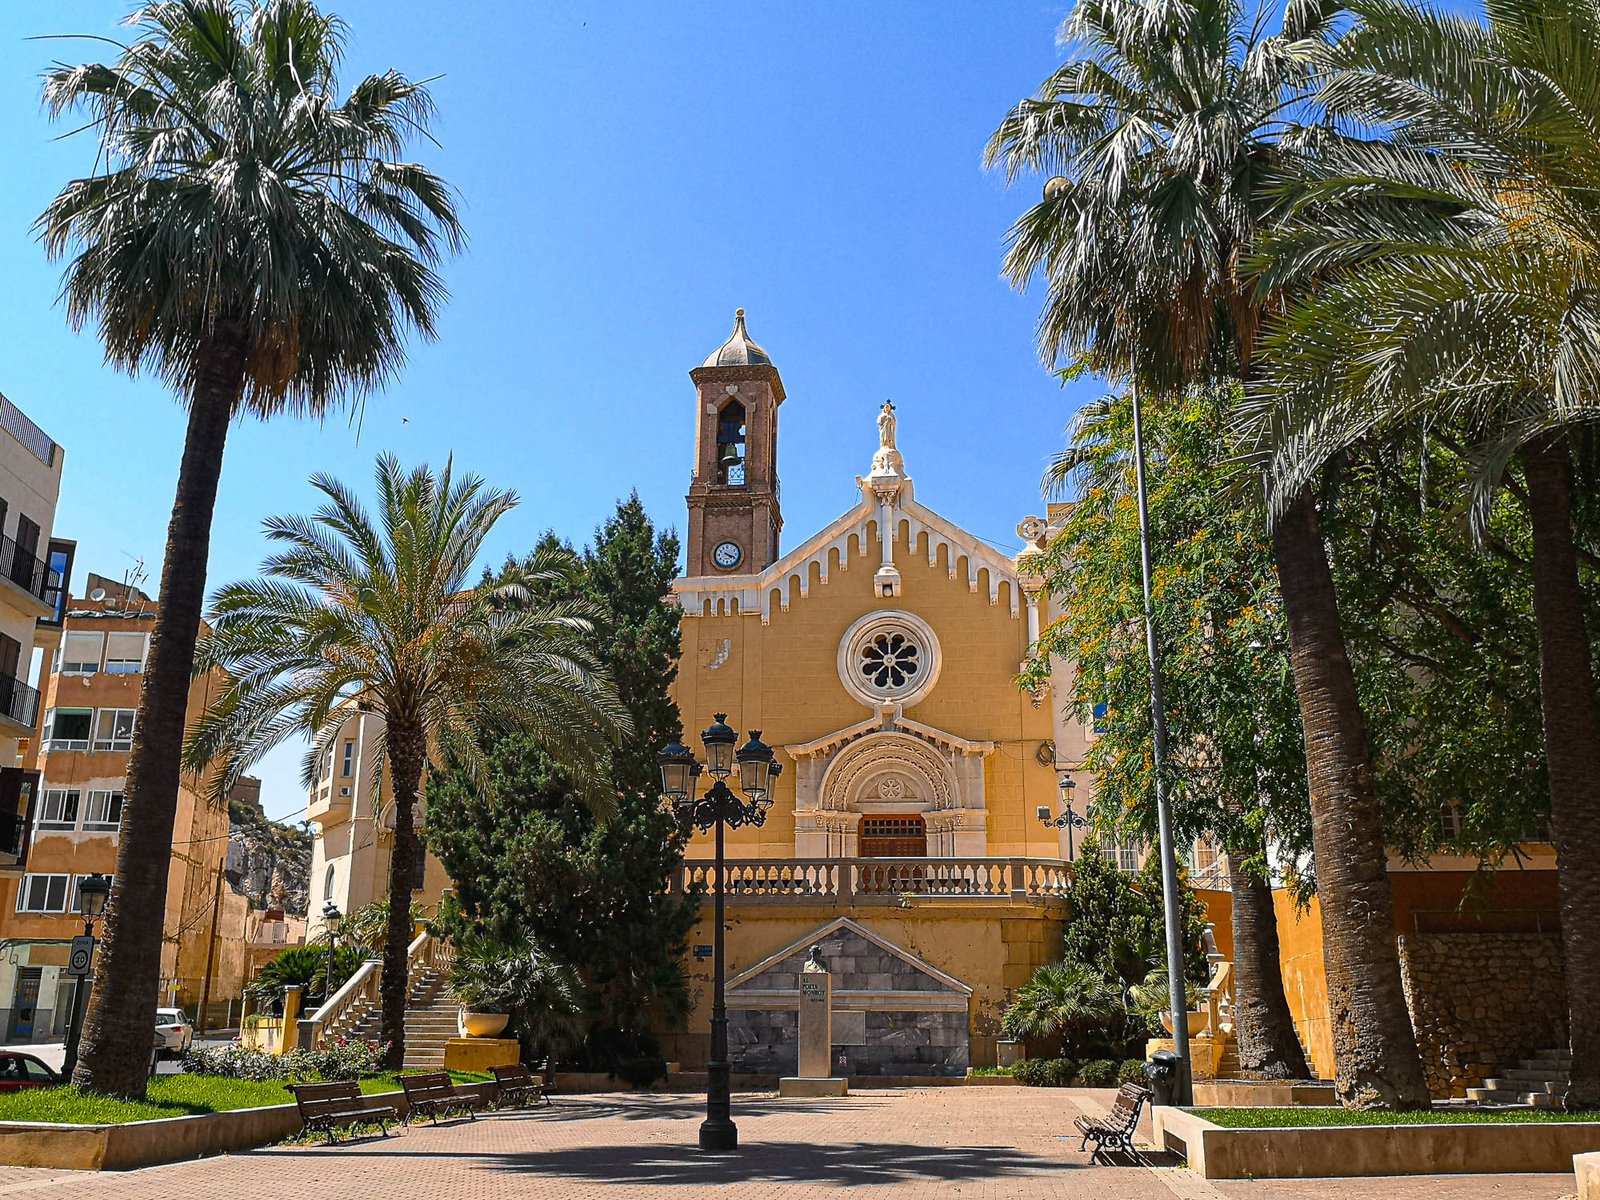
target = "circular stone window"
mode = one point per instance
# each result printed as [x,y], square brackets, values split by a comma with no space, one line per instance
[889,657]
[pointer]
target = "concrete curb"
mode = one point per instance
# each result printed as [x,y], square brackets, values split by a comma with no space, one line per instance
[1315,1152]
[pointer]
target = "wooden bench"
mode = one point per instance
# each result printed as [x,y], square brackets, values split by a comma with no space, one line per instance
[331,1106]
[1115,1130]
[432,1092]
[517,1085]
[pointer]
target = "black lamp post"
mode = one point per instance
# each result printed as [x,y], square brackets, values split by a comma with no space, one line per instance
[1068,820]
[93,892]
[720,808]
[331,917]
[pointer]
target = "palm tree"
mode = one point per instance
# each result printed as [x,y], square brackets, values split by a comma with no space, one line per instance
[257,242]
[1165,126]
[376,616]
[1457,294]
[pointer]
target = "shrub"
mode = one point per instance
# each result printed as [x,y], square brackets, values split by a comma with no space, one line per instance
[642,1071]
[1030,1071]
[1058,1072]
[1131,1071]
[339,1059]
[1100,1072]
[236,1061]
[1045,1072]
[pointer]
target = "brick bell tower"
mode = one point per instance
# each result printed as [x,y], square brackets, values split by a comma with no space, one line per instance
[734,516]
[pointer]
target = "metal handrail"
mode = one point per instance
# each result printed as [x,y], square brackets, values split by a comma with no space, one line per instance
[18,701]
[29,572]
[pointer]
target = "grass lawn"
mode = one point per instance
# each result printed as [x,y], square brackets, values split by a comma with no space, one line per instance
[1287,1118]
[169,1096]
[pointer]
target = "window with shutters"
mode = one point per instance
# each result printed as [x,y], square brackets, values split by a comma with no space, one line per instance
[893,837]
[80,653]
[125,653]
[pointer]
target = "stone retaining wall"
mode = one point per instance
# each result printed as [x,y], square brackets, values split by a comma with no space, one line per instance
[1481,1001]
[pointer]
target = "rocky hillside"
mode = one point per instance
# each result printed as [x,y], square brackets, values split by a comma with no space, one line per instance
[268,862]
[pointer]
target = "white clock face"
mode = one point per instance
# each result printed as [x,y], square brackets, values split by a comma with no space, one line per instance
[727,555]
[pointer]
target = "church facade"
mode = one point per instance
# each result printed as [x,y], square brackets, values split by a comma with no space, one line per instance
[878,656]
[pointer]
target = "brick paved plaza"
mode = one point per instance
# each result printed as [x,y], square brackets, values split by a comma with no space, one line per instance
[978,1144]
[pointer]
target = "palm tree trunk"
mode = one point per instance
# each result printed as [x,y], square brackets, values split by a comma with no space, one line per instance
[1572,749]
[1374,1047]
[117,1036]
[1269,1047]
[407,754]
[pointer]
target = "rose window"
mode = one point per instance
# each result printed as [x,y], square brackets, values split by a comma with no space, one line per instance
[890,662]
[889,657]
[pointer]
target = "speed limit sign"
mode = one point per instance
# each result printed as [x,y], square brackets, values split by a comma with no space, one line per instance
[81,957]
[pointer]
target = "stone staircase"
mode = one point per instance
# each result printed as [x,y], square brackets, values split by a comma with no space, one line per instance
[1538,1082]
[431,1020]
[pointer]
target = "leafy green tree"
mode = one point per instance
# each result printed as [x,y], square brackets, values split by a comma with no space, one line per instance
[376,616]
[1164,130]
[1236,759]
[263,246]
[533,861]
[1097,998]
[1454,260]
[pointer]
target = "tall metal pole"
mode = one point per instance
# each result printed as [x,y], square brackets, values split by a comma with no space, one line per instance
[1176,993]
[80,998]
[717,1131]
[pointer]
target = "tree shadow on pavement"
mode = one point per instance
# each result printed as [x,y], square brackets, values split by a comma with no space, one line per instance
[859,1164]
[682,1108]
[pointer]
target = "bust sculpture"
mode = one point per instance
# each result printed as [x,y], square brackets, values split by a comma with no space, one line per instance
[814,959]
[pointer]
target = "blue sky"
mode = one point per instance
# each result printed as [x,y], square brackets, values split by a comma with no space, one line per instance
[629,174]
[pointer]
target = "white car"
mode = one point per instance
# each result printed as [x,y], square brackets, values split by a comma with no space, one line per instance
[176,1034]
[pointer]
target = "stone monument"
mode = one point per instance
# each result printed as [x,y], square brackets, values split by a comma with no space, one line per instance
[815,1077]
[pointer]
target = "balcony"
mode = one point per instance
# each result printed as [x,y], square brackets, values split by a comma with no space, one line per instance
[17,790]
[19,704]
[849,881]
[26,572]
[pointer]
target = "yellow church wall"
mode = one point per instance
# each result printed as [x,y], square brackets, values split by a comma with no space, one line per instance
[991,947]
[1304,982]
[782,678]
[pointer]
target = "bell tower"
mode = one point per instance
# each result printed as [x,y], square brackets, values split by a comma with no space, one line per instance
[734,518]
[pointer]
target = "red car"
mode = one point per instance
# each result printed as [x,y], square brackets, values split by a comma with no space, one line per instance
[18,1071]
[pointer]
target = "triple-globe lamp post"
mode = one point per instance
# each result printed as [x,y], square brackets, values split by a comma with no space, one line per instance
[721,808]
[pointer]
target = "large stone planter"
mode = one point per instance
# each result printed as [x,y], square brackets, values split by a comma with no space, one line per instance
[1197,1022]
[482,1025]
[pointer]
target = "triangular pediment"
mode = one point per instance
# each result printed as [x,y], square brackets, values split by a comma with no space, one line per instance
[888,720]
[850,538]
[860,961]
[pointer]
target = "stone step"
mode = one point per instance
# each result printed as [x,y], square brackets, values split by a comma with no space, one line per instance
[1524,1075]
[1552,1065]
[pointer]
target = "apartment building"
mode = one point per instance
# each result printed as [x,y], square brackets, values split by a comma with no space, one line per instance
[353,815]
[91,694]
[34,569]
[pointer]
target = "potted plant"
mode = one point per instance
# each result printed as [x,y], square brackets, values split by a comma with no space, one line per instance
[478,980]
[497,981]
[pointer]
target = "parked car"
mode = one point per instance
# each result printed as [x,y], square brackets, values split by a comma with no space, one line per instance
[18,1071]
[175,1031]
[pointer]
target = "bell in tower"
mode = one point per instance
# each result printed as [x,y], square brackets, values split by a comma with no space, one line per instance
[734,519]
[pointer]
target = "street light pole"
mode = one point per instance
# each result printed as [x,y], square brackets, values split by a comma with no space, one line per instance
[92,894]
[1177,996]
[331,917]
[720,809]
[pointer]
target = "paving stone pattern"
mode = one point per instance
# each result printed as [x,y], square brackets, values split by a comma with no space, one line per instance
[913,1144]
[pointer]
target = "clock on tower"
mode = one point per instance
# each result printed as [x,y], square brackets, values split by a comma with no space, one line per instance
[734,519]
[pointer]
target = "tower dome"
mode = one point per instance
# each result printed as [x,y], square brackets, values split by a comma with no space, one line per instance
[738,350]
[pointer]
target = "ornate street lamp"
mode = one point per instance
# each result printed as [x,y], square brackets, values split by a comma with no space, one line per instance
[93,891]
[1068,820]
[331,918]
[720,808]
